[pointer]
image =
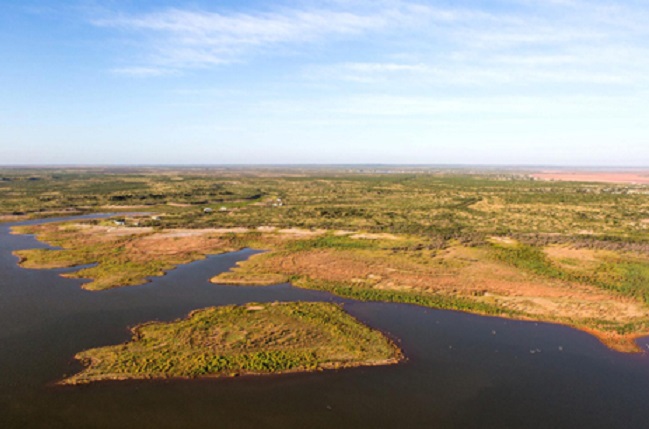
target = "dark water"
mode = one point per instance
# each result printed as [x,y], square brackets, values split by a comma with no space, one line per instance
[463,371]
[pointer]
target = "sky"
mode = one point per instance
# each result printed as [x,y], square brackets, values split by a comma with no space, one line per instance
[525,82]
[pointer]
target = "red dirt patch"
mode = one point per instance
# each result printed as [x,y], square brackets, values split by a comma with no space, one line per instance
[638,178]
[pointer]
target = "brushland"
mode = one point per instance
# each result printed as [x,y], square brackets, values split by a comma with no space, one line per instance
[498,244]
[239,340]
[606,297]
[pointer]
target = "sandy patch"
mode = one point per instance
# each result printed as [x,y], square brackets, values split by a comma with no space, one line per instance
[370,236]
[342,232]
[595,306]
[12,218]
[503,240]
[298,232]
[631,178]
[177,233]
[35,215]
[166,244]
[103,233]
[558,253]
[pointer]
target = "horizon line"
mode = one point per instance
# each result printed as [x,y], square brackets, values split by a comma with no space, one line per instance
[326,165]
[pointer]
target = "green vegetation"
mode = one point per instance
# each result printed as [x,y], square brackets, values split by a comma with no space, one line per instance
[487,242]
[120,256]
[529,258]
[510,280]
[625,273]
[41,192]
[427,300]
[234,340]
[434,204]
[329,241]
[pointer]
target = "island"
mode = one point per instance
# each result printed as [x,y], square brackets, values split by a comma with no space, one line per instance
[239,340]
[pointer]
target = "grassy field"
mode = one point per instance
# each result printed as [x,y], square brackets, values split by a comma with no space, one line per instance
[486,242]
[237,340]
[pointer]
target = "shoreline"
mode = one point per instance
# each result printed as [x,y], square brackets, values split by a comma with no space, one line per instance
[613,341]
[624,343]
[207,377]
[336,312]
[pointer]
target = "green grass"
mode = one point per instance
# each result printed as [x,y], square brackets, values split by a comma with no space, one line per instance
[529,258]
[445,302]
[329,241]
[233,340]
[627,277]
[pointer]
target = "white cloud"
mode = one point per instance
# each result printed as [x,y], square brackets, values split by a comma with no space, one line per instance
[553,42]
[188,39]
[497,71]
[453,106]
[191,38]
[143,71]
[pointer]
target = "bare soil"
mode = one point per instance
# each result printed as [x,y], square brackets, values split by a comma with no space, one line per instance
[632,178]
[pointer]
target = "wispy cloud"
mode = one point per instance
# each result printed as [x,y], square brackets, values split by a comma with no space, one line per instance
[553,43]
[512,106]
[516,71]
[560,41]
[144,71]
[181,38]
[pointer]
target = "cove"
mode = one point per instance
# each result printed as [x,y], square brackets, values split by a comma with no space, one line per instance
[463,371]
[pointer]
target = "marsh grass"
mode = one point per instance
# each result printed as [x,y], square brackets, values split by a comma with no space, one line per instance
[329,241]
[432,300]
[234,340]
[624,273]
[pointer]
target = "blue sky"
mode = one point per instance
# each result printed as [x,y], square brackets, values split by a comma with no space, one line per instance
[557,82]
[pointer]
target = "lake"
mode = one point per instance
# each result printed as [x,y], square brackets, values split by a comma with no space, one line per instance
[462,371]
